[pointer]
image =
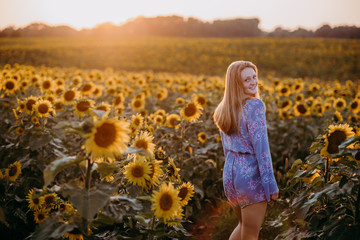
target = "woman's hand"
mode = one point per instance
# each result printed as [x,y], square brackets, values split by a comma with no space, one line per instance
[274,196]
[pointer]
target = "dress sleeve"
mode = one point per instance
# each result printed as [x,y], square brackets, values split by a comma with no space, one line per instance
[256,123]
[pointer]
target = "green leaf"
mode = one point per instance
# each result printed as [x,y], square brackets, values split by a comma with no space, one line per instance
[57,166]
[89,202]
[102,219]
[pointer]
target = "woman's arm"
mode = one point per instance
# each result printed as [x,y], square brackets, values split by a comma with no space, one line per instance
[256,122]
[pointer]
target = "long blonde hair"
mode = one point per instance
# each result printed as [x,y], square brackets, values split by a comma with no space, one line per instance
[228,113]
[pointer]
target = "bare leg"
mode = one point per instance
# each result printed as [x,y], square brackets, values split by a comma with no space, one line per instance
[236,234]
[252,219]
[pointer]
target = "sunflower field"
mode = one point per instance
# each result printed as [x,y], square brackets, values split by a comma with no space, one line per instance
[107,153]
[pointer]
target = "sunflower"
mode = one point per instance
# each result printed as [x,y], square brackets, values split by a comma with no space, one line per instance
[13,171]
[160,154]
[166,202]
[339,104]
[19,131]
[58,105]
[50,200]
[42,108]
[84,107]
[108,138]
[161,94]
[202,137]
[34,80]
[285,104]
[24,84]
[138,104]
[69,96]
[186,191]
[180,101]
[104,106]
[298,86]
[98,91]
[285,114]
[173,171]
[65,207]
[155,173]
[301,109]
[314,87]
[338,117]
[29,102]
[327,106]
[353,118]
[10,85]
[159,119]
[284,91]
[46,85]
[76,81]
[191,112]
[40,215]
[87,88]
[355,106]
[336,135]
[119,100]
[138,171]
[173,120]
[137,121]
[144,141]
[21,105]
[200,99]
[35,201]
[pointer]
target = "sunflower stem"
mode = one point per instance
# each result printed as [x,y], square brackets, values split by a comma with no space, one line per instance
[87,187]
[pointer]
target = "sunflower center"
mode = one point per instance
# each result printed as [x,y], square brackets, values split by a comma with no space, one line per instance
[49,199]
[36,201]
[284,90]
[117,100]
[102,108]
[201,100]
[137,122]
[284,104]
[335,139]
[182,193]
[9,85]
[43,108]
[12,171]
[137,171]
[354,105]
[83,106]
[297,86]
[105,135]
[137,104]
[87,87]
[141,144]
[29,104]
[46,85]
[69,95]
[166,202]
[301,109]
[339,104]
[190,110]
[41,217]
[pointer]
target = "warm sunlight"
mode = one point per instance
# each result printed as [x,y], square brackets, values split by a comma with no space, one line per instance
[88,13]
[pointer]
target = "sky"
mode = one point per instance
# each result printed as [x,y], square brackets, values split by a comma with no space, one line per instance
[289,14]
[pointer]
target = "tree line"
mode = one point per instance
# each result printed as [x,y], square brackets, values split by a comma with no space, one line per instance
[178,26]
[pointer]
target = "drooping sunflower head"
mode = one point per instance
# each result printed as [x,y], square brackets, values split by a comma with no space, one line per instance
[173,171]
[13,171]
[138,171]
[160,154]
[202,137]
[186,191]
[165,202]
[35,200]
[42,108]
[144,141]
[155,173]
[191,112]
[336,135]
[338,117]
[108,138]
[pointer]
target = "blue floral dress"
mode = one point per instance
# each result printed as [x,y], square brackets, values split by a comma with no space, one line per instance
[248,175]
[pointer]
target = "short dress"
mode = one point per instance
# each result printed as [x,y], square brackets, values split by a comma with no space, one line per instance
[248,175]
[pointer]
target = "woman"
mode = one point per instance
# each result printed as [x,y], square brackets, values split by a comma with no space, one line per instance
[248,176]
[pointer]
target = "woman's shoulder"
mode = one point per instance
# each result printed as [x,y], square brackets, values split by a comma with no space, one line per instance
[253,103]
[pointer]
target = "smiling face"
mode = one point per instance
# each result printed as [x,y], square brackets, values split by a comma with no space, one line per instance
[249,81]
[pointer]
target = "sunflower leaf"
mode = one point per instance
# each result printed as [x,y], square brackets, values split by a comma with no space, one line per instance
[2,217]
[57,166]
[89,202]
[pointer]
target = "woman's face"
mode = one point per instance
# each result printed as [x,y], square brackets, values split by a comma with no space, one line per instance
[249,81]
